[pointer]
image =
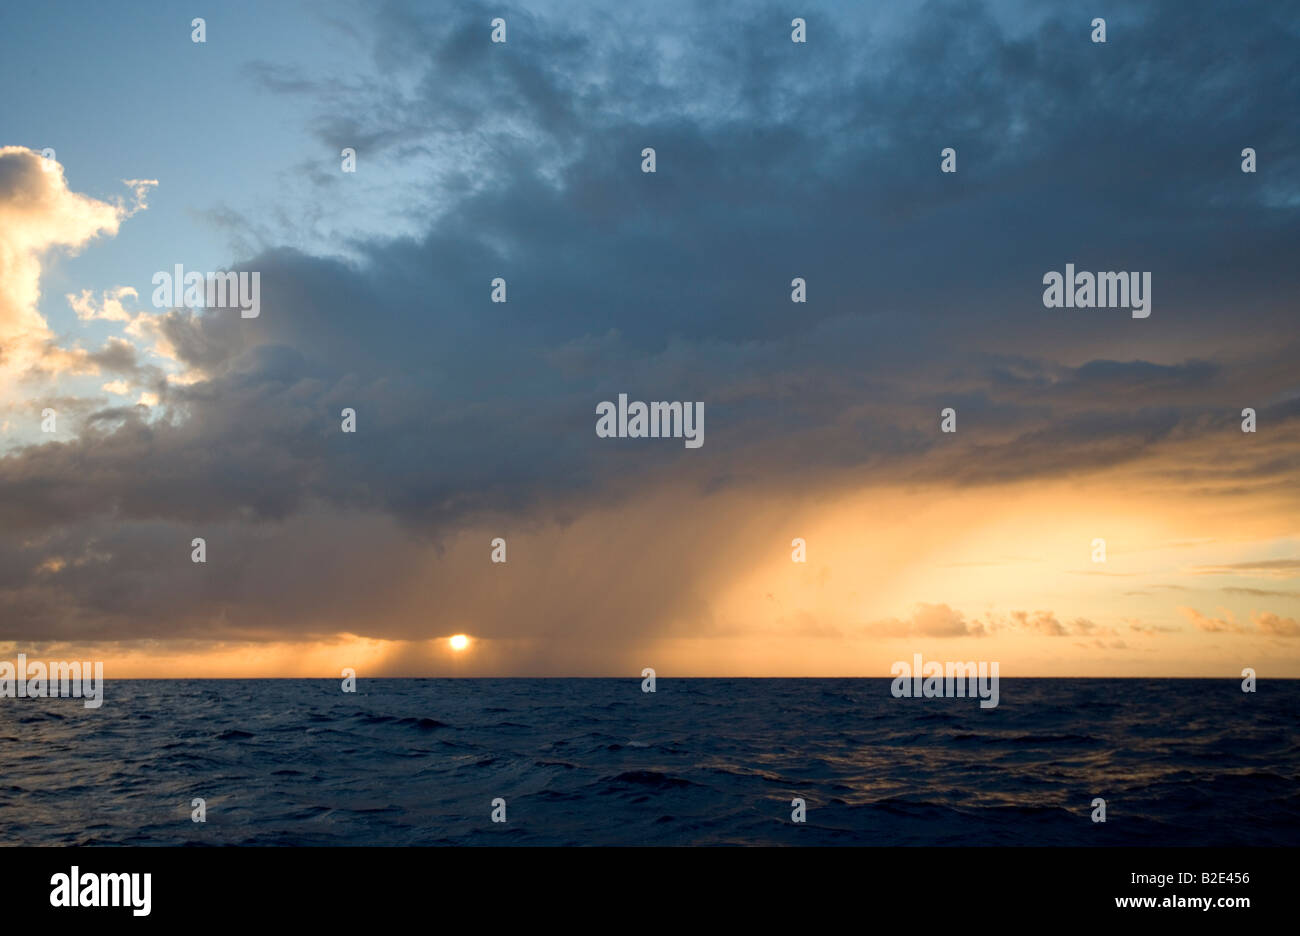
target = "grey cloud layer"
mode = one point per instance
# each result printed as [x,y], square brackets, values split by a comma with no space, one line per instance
[775,161]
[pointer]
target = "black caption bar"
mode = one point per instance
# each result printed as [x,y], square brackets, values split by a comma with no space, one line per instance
[172,885]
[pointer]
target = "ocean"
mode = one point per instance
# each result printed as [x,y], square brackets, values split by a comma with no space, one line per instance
[698,762]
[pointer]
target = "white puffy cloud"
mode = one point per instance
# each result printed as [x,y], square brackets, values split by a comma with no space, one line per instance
[38,214]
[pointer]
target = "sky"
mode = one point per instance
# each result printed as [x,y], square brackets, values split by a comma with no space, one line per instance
[476,420]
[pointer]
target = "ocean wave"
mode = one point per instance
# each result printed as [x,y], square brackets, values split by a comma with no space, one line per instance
[595,761]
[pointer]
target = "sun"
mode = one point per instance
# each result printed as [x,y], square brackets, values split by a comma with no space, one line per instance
[458,642]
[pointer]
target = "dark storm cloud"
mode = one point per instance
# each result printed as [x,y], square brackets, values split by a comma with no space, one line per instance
[775,160]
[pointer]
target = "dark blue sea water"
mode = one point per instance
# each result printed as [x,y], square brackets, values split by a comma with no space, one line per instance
[702,761]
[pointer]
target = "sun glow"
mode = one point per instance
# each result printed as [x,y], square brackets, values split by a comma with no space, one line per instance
[458,642]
